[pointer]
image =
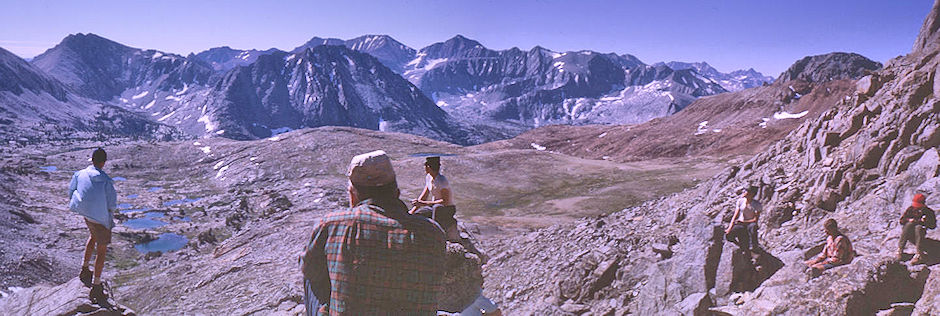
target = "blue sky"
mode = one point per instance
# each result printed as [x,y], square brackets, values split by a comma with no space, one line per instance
[765,35]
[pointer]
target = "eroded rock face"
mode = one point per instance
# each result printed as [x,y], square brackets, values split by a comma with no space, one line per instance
[70,298]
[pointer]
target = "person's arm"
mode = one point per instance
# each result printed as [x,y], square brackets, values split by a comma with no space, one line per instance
[73,185]
[733,218]
[906,216]
[424,194]
[112,196]
[313,264]
[420,200]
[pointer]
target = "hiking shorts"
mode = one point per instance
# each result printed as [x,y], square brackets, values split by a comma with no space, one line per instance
[101,234]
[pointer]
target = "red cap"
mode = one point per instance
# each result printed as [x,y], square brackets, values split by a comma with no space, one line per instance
[919,200]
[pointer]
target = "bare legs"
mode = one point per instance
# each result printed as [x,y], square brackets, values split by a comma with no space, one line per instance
[89,249]
[99,262]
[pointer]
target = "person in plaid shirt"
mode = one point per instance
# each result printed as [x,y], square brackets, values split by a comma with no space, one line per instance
[374,258]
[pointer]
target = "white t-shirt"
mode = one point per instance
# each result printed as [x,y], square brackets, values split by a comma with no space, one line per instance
[748,210]
[436,185]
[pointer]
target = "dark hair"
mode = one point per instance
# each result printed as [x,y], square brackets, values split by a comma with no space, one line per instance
[831,224]
[379,193]
[752,190]
[434,163]
[99,156]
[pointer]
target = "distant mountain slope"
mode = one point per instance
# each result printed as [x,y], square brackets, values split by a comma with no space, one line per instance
[734,81]
[225,58]
[35,107]
[326,85]
[723,125]
[102,69]
[539,87]
[386,49]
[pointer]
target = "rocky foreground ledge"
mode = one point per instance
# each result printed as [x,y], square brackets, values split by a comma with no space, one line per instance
[462,281]
[70,298]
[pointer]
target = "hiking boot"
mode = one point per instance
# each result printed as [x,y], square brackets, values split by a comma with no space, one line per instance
[97,294]
[917,259]
[85,276]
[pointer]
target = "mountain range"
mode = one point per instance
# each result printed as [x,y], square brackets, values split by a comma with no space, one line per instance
[457,90]
[724,125]
[514,90]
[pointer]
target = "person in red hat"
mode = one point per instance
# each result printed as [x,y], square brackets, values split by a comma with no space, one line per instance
[914,224]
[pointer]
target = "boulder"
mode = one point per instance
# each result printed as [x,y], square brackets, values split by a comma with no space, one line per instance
[696,305]
[867,85]
[593,272]
[70,298]
[691,270]
[898,309]
[872,154]
[738,273]
[864,287]
[929,304]
[463,277]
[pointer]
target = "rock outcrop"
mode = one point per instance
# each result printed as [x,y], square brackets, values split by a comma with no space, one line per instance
[463,274]
[68,299]
[828,67]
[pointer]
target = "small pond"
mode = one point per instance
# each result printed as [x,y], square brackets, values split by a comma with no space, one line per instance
[164,243]
[180,201]
[48,168]
[431,155]
[135,210]
[143,223]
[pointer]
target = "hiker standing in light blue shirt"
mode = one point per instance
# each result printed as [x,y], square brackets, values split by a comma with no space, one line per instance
[91,194]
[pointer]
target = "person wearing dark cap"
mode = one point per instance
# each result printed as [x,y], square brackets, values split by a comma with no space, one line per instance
[743,227]
[373,258]
[92,194]
[437,199]
[915,221]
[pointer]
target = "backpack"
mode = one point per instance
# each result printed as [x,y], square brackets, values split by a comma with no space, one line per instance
[930,220]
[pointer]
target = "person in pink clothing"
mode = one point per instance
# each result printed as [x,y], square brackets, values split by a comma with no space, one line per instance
[838,250]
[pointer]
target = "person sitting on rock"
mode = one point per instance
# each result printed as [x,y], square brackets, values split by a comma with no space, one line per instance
[441,208]
[373,258]
[915,221]
[92,194]
[743,227]
[838,250]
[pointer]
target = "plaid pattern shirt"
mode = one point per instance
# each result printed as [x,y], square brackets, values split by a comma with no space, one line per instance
[373,260]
